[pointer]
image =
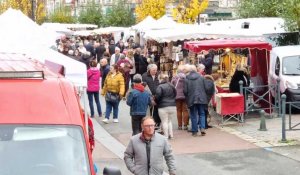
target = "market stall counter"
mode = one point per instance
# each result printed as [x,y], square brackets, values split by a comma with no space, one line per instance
[230,106]
[256,60]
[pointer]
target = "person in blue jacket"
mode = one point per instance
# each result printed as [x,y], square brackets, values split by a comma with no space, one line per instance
[138,100]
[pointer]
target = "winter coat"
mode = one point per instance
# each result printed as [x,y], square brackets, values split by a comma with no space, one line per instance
[141,64]
[135,155]
[93,76]
[104,71]
[178,82]
[152,84]
[114,59]
[165,95]
[194,89]
[208,63]
[238,76]
[114,84]
[138,100]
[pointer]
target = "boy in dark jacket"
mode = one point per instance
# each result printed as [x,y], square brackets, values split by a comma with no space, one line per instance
[138,100]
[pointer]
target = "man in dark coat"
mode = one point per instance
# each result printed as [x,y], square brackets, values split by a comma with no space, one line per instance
[194,91]
[151,79]
[104,69]
[140,62]
[207,61]
[100,51]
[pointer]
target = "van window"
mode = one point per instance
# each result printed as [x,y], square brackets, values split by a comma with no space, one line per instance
[43,149]
[291,65]
[277,66]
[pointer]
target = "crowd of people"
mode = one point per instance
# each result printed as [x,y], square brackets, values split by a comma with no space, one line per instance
[121,72]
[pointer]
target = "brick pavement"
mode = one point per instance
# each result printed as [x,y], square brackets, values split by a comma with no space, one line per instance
[270,138]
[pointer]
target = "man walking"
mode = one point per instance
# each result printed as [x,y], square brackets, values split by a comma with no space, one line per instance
[194,91]
[151,79]
[145,152]
[138,100]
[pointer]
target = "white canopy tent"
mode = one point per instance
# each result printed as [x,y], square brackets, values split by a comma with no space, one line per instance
[146,24]
[19,34]
[219,29]
[165,22]
[57,27]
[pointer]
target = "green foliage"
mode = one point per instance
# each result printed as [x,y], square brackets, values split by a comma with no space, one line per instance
[258,8]
[119,15]
[291,13]
[91,14]
[62,14]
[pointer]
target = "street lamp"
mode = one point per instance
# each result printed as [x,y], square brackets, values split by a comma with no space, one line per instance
[33,4]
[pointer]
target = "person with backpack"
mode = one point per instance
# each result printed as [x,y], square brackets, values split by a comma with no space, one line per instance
[181,106]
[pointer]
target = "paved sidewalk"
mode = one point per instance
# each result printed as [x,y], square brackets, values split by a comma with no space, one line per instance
[270,138]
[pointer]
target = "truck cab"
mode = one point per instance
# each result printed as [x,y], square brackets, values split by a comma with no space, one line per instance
[285,65]
[42,130]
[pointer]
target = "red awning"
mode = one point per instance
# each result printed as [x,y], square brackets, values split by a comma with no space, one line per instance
[198,46]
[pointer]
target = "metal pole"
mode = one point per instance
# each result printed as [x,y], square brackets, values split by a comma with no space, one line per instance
[283,97]
[32,10]
[278,96]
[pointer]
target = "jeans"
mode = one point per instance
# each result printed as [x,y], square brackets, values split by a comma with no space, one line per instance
[197,115]
[109,107]
[91,103]
[136,121]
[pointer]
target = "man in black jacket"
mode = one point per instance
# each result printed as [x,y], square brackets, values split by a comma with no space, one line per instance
[151,79]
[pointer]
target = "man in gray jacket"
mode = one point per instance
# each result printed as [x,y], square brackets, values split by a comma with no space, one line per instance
[145,152]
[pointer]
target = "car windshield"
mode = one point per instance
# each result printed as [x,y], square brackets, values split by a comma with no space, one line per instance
[291,65]
[42,150]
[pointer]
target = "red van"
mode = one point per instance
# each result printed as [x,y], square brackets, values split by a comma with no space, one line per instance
[42,131]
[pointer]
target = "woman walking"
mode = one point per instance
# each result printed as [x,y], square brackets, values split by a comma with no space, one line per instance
[93,75]
[181,106]
[165,97]
[113,90]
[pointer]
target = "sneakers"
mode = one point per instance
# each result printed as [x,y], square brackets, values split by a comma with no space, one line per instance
[105,120]
[185,128]
[116,121]
[203,132]
[179,128]
[194,134]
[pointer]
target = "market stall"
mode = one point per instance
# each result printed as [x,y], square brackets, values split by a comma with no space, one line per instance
[257,60]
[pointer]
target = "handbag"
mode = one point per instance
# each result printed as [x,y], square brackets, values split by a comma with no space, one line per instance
[112,97]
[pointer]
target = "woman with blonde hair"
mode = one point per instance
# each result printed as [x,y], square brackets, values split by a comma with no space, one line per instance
[165,98]
[113,90]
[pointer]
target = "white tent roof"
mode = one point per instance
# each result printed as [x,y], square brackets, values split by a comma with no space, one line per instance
[108,30]
[146,24]
[219,29]
[57,27]
[165,22]
[19,34]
